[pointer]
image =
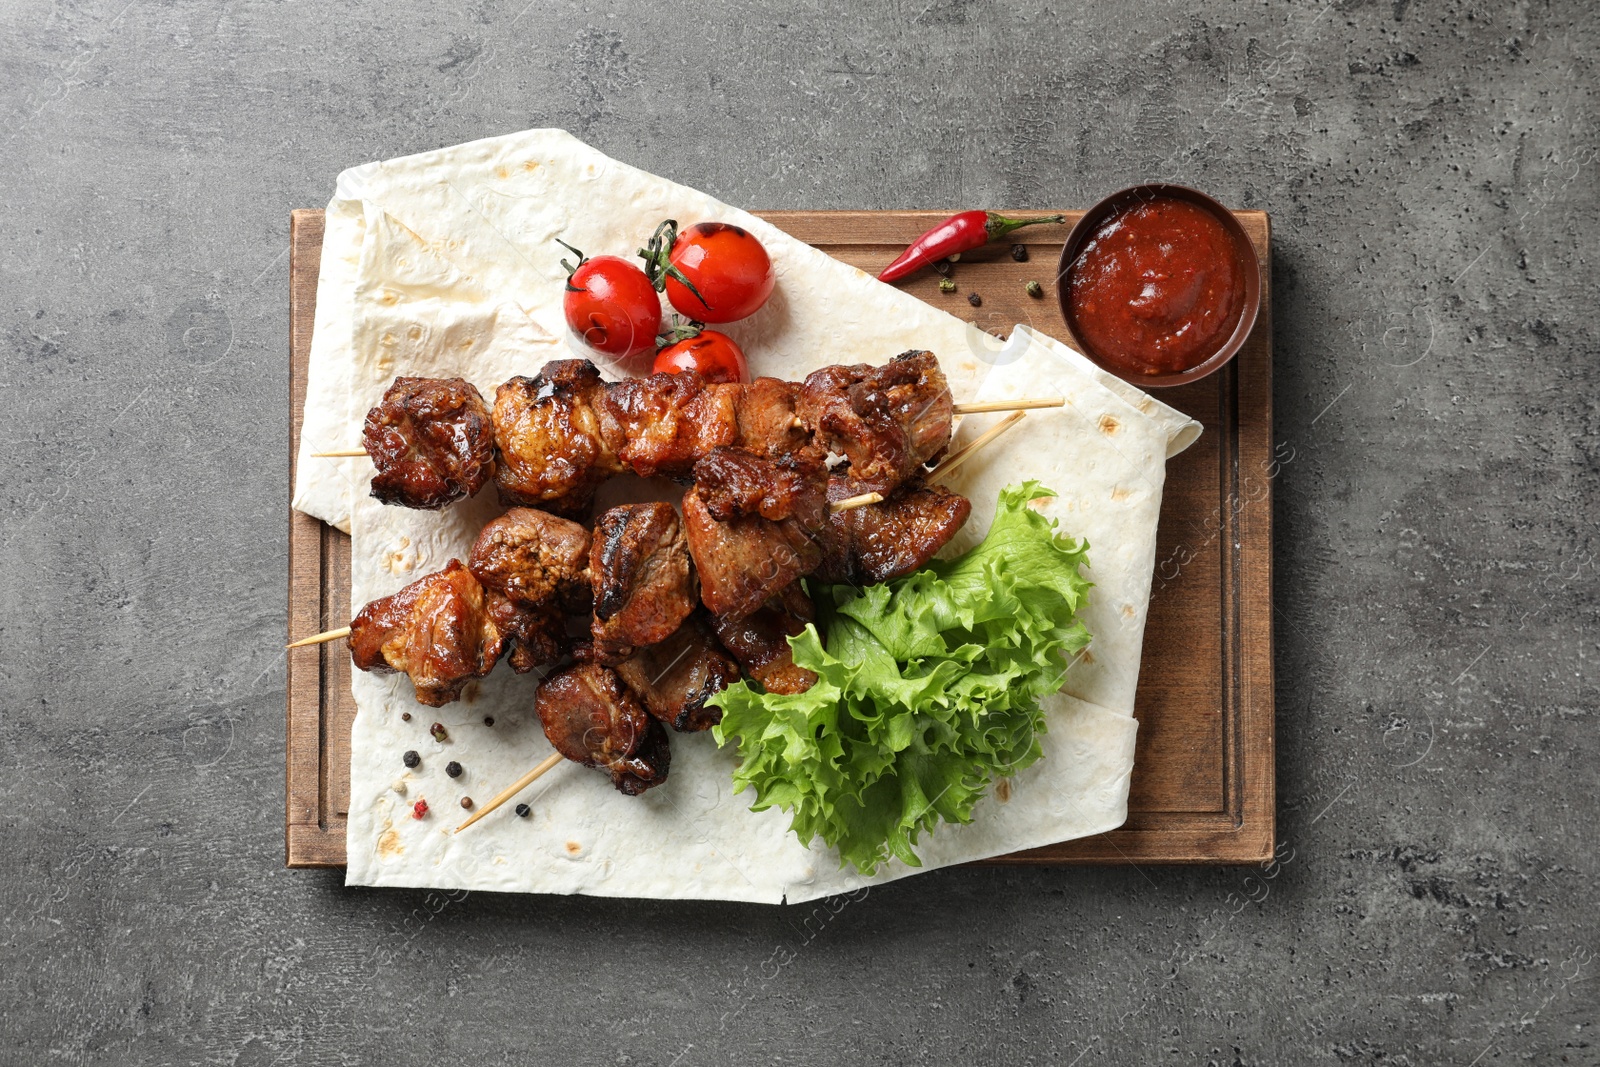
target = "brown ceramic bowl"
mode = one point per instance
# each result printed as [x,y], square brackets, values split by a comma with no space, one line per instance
[1116,202]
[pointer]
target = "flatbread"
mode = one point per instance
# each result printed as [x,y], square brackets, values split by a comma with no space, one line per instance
[454,277]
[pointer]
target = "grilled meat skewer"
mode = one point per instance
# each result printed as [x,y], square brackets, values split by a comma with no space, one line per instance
[557,435]
[445,629]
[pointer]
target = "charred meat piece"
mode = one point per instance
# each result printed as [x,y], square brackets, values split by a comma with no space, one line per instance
[536,559]
[432,441]
[766,414]
[537,637]
[735,482]
[759,641]
[439,629]
[887,421]
[548,428]
[661,424]
[643,584]
[675,677]
[747,559]
[591,718]
[887,540]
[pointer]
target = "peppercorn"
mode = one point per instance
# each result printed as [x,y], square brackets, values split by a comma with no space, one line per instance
[453,769]
[1035,290]
[523,811]
[975,300]
[488,720]
[405,716]
[1019,253]
[411,759]
[419,809]
[439,732]
[466,802]
[953,259]
[942,266]
[947,286]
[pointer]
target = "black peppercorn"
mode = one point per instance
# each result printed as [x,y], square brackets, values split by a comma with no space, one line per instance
[1019,253]
[523,811]
[488,720]
[405,716]
[411,759]
[943,267]
[975,300]
[438,731]
[453,769]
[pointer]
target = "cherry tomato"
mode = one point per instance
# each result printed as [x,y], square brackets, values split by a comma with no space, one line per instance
[710,354]
[727,266]
[612,306]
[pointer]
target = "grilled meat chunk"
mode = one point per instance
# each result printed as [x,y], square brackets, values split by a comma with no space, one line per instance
[548,428]
[759,641]
[536,637]
[591,718]
[746,559]
[675,677]
[662,423]
[887,421]
[887,540]
[735,482]
[440,630]
[643,584]
[536,559]
[768,425]
[432,441]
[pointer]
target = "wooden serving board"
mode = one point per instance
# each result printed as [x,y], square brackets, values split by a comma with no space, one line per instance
[1202,790]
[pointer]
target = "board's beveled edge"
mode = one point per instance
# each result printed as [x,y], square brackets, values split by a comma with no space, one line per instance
[1246,834]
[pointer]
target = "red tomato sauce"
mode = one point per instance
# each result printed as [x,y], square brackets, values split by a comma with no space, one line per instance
[1158,287]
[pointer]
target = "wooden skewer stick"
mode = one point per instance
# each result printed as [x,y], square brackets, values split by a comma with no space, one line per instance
[341,452]
[516,787]
[856,502]
[1010,405]
[960,456]
[320,639]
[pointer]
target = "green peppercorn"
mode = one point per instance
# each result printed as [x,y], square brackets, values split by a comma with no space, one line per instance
[1035,290]
[947,286]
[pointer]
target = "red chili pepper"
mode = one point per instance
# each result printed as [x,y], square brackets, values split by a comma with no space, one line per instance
[958,233]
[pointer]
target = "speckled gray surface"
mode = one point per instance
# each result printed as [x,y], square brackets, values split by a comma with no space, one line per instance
[1431,169]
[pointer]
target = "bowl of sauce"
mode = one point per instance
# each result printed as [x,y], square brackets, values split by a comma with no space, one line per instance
[1159,284]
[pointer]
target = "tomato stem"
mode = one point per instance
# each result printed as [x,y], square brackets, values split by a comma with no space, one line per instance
[658,265]
[569,268]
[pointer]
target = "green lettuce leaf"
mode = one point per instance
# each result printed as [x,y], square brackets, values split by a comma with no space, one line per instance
[928,690]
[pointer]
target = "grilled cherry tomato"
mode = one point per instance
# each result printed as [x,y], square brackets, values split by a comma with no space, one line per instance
[611,304]
[726,265]
[710,354]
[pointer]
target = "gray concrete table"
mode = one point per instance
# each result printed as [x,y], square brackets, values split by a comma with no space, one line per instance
[1431,170]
